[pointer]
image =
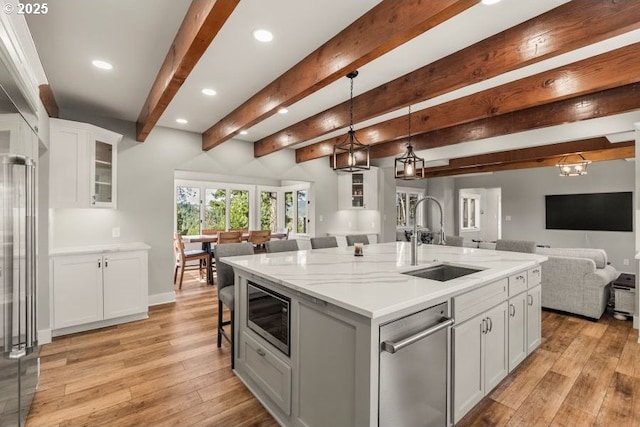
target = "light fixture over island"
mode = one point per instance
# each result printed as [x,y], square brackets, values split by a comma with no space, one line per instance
[334,311]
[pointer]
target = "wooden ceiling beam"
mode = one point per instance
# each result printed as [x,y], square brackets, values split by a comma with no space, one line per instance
[617,151]
[605,103]
[49,101]
[570,26]
[388,25]
[200,26]
[612,69]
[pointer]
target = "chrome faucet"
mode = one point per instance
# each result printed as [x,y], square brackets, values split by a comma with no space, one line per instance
[414,236]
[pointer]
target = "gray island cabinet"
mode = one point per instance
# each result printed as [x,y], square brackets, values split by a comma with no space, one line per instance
[312,332]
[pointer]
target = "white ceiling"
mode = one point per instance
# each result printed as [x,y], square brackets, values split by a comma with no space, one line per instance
[135,35]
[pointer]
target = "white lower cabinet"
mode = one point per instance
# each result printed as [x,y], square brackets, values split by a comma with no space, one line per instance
[268,371]
[480,357]
[534,318]
[88,289]
[517,329]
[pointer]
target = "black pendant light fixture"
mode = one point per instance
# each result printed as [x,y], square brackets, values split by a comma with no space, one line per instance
[351,155]
[409,166]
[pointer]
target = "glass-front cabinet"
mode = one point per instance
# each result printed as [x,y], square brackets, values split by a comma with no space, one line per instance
[358,190]
[103,173]
[82,165]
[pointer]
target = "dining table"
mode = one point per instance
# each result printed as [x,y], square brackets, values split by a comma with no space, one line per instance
[208,240]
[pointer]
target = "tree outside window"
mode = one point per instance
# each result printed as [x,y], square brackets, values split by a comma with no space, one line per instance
[238,209]
[215,216]
[302,211]
[188,210]
[288,210]
[268,210]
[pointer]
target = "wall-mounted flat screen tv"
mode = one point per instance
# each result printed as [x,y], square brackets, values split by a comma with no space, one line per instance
[593,211]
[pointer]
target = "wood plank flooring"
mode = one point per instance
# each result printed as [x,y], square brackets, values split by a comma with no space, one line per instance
[167,371]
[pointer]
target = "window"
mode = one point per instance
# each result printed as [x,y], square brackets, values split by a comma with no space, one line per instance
[187,210]
[302,211]
[202,205]
[469,211]
[406,199]
[215,214]
[269,210]
[238,209]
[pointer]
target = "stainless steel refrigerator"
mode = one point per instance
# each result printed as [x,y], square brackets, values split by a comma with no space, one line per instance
[18,326]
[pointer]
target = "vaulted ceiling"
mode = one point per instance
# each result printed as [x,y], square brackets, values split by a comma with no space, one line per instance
[511,85]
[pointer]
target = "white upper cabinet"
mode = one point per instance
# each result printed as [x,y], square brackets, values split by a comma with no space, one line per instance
[83,165]
[358,190]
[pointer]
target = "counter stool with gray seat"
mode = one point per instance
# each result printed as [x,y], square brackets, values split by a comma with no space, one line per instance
[281,246]
[324,242]
[226,287]
[357,238]
[526,246]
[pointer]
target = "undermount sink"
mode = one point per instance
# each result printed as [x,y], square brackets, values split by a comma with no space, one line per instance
[442,272]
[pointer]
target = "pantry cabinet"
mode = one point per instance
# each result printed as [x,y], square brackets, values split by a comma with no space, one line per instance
[358,190]
[83,165]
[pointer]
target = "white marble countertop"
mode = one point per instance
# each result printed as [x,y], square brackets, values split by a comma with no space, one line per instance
[372,285]
[97,249]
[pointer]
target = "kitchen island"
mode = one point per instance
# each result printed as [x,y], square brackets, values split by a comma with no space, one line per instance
[317,360]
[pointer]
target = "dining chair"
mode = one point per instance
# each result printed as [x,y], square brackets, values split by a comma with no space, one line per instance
[281,246]
[229,237]
[324,242]
[258,238]
[184,257]
[526,246]
[357,238]
[226,288]
[210,231]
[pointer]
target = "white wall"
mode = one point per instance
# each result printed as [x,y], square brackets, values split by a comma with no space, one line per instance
[523,194]
[146,199]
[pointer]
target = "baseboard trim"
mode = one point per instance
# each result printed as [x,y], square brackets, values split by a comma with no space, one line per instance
[44,336]
[165,298]
[99,324]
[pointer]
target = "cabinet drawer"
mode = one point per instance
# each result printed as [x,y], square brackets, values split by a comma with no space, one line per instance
[478,300]
[534,276]
[517,283]
[272,374]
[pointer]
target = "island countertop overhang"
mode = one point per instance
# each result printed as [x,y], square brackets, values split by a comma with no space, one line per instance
[373,286]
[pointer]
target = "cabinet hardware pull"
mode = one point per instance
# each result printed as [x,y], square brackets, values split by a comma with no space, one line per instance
[530,298]
[99,264]
[393,347]
[261,352]
[106,262]
[512,310]
[483,329]
[490,324]
[520,277]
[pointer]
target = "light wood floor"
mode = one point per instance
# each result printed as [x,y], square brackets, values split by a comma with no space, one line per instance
[167,370]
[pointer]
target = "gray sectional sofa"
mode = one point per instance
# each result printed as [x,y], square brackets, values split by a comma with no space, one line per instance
[575,280]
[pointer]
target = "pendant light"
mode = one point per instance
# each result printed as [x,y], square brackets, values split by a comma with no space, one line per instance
[353,151]
[409,166]
[573,168]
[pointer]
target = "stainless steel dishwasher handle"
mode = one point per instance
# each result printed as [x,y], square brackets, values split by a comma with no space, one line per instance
[392,347]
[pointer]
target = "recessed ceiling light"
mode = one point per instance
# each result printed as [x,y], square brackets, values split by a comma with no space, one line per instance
[243,132]
[182,121]
[103,65]
[283,110]
[209,92]
[263,36]
[490,2]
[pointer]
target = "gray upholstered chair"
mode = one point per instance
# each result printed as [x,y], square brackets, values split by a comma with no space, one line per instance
[324,242]
[281,246]
[516,246]
[454,240]
[226,289]
[357,238]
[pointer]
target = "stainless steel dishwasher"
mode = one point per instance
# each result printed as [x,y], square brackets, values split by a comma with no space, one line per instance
[414,373]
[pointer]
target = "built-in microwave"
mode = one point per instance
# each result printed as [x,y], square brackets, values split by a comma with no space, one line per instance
[268,315]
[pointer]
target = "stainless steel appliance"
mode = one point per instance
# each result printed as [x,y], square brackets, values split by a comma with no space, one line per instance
[268,315]
[414,371]
[18,328]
